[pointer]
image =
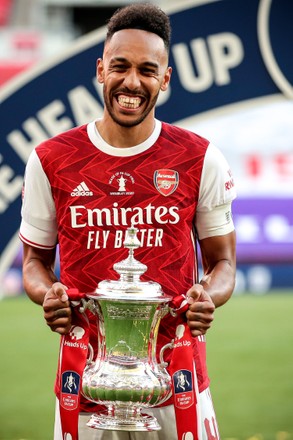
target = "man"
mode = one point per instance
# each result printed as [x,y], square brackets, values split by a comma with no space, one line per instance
[84,187]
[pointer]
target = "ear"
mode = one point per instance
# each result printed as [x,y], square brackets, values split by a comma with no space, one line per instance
[166,80]
[100,70]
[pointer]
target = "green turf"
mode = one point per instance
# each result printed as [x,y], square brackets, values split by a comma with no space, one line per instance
[27,369]
[250,358]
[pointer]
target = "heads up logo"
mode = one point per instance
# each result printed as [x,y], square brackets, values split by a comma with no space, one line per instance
[76,333]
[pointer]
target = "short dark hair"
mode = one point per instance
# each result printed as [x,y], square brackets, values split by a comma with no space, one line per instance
[143,16]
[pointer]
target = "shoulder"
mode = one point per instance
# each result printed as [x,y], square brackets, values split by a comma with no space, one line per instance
[215,160]
[67,138]
[183,135]
[217,183]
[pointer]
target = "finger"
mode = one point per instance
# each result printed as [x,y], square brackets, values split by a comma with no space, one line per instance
[64,297]
[61,329]
[58,322]
[200,318]
[198,332]
[52,305]
[198,327]
[53,314]
[202,307]
[62,313]
[53,301]
[59,290]
[194,293]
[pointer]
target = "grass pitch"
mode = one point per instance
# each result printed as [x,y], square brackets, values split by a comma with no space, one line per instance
[250,359]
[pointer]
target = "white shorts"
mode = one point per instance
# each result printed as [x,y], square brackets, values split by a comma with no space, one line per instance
[165,417]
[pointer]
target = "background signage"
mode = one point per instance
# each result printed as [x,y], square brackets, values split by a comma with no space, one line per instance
[231,82]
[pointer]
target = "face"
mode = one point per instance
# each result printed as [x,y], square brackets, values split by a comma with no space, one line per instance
[133,70]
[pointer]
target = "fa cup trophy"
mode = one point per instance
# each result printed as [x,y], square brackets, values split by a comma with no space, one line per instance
[126,377]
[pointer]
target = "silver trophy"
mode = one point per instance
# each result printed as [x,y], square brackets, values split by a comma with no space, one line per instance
[126,377]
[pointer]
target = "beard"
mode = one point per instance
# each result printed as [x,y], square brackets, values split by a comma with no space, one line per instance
[133,122]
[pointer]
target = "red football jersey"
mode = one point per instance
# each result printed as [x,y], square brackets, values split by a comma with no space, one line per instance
[99,191]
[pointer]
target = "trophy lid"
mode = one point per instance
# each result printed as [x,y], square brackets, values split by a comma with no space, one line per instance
[129,286]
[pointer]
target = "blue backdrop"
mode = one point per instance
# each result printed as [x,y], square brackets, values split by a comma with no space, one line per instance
[222,52]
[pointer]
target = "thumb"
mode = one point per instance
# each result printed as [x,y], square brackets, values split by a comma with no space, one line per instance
[195,293]
[60,290]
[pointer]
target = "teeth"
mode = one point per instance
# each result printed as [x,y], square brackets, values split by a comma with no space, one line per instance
[127,102]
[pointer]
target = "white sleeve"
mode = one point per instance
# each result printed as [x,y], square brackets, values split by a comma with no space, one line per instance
[217,190]
[38,226]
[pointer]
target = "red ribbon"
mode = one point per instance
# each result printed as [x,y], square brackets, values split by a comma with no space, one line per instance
[72,361]
[184,378]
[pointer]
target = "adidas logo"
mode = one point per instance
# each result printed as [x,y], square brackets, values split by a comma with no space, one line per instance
[81,190]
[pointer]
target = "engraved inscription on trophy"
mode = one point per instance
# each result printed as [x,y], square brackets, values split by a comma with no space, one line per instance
[116,312]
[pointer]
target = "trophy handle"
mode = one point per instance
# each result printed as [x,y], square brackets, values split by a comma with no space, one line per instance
[91,354]
[170,345]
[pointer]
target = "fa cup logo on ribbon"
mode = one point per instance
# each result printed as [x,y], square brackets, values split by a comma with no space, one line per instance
[183,378]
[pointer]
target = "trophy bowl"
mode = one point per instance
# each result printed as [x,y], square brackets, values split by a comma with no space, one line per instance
[125,377]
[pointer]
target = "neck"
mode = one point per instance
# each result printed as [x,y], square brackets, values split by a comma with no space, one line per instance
[124,137]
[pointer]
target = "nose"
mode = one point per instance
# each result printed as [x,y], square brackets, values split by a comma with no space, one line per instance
[132,79]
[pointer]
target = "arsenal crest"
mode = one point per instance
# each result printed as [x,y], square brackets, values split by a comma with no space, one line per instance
[166,181]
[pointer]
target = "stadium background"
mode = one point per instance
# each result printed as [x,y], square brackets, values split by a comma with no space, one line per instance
[232,83]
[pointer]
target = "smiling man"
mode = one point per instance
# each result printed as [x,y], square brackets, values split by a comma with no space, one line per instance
[85,187]
[132,80]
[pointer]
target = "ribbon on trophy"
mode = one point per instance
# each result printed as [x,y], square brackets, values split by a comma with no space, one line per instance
[72,361]
[184,378]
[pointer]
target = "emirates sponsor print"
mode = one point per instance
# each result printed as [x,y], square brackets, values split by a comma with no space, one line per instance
[166,181]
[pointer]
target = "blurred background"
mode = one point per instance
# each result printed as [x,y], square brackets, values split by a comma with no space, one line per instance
[232,83]
[33,30]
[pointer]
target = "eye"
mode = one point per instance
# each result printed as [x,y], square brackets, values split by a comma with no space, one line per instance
[150,70]
[119,67]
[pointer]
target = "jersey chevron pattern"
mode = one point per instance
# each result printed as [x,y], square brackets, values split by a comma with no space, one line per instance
[97,196]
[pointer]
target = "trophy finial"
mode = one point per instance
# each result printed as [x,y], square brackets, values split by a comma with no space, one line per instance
[129,284]
[131,241]
[130,269]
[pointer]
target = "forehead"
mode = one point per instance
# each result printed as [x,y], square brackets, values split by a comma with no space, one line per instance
[135,44]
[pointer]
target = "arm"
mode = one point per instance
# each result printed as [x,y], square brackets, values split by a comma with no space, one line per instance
[43,288]
[217,284]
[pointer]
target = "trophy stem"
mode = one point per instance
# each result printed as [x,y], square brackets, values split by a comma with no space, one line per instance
[123,418]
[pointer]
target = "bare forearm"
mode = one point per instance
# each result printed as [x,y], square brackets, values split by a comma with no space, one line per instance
[38,273]
[42,287]
[219,267]
[37,280]
[219,283]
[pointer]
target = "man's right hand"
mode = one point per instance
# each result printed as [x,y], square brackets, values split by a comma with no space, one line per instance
[57,311]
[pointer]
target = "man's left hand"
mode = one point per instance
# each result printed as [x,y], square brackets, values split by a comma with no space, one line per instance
[200,314]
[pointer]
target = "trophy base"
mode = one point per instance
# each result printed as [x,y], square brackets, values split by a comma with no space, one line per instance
[139,422]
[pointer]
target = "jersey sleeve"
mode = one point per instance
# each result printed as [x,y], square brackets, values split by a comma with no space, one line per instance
[38,225]
[217,191]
